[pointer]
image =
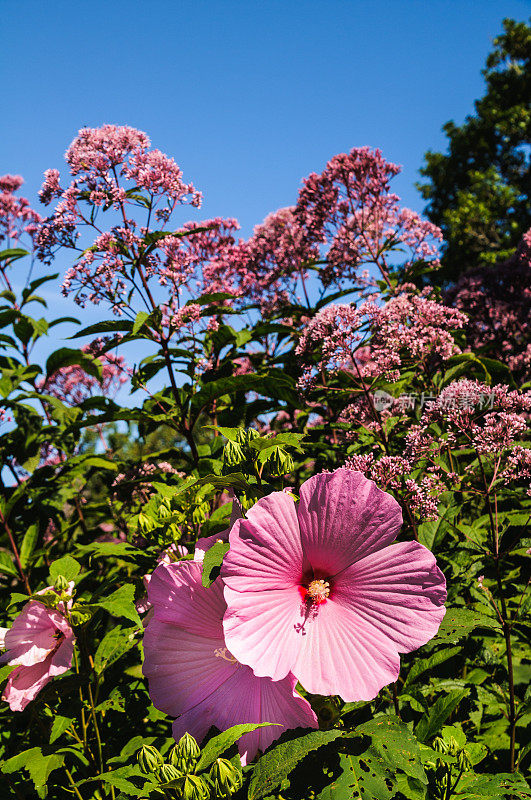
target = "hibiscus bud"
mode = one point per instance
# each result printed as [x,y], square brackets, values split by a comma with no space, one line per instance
[149,759]
[233,454]
[169,773]
[463,761]
[61,584]
[164,511]
[280,462]
[192,787]
[225,777]
[185,754]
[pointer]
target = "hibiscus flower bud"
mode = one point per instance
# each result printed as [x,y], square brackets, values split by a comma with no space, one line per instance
[233,454]
[185,754]
[225,777]
[149,759]
[280,462]
[192,787]
[61,584]
[168,773]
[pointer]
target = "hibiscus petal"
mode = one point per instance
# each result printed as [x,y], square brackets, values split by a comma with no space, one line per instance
[246,698]
[263,629]
[182,667]
[177,596]
[398,593]
[31,637]
[268,552]
[25,683]
[343,517]
[338,656]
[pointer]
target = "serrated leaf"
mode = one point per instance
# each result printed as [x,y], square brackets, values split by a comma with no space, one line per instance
[219,744]
[362,776]
[66,357]
[38,765]
[109,549]
[140,319]
[433,719]
[459,622]
[59,726]
[476,787]
[395,744]
[121,603]
[66,566]
[276,764]
[424,664]
[113,646]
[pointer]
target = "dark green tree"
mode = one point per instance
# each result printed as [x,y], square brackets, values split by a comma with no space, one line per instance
[478,191]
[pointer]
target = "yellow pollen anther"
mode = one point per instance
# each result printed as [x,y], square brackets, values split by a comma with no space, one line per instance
[318,591]
[223,653]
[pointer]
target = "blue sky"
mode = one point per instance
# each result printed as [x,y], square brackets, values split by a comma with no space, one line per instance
[247,96]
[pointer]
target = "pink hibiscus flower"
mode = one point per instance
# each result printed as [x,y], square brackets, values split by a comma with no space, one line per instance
[317,589]
[41,643]
[193,676]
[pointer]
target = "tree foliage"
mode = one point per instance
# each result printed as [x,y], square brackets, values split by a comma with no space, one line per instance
[478,191]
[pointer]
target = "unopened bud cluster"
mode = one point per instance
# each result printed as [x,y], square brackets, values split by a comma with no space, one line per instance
[176,776]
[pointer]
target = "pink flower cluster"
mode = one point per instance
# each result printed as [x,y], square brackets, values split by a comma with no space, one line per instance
[349,208]
[271,266]
[312,590]
[393,474]
[110,166]
[73,385]
[497,301]
[16,216]
[413,326]
[344,218]
[409,327]
[490,419]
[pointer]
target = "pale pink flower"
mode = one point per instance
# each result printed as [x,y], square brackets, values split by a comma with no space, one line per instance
[194,677]
[317,589]
[41,643]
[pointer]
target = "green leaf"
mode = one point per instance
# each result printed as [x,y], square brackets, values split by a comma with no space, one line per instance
[121,603]
[212,562]
[276,764]
[28,544]
[38,765]
[362,776]
[6,564]
[13,253]
[104,327]
[66,566]
[433,719]
[67,357]
[432,532]
[218,744]
[424,664]
[59,726]
[140,319]
[122,550]
[459,622]
[119,778]
[395,744]
[476,787]
[113,646]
